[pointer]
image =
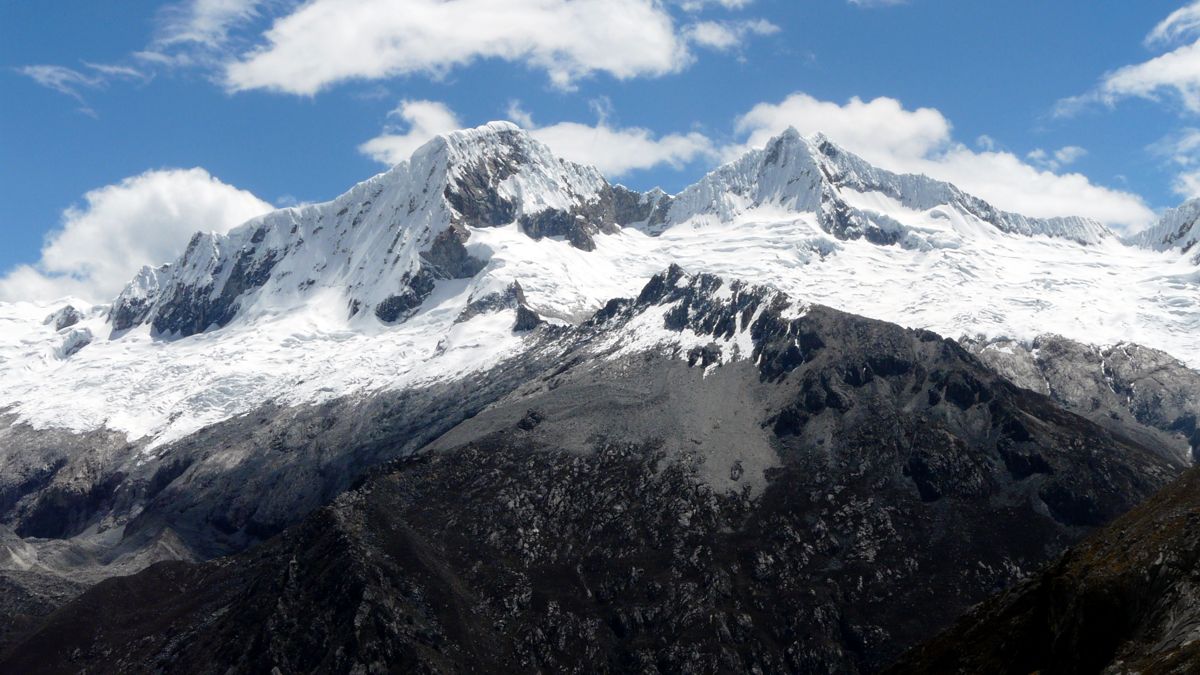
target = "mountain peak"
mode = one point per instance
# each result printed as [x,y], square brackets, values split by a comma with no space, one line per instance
[814,174]
[384,244]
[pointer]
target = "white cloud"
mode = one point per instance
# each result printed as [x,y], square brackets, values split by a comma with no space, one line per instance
[62,79]
[881,130]
[618,151]
[144,219]
[198,32]
[699,5]
[519,115]
[1187,184]
[1181,24]
[204,22]
[1176,72]
[877,3]
[1058,159]
[424,120]
[325,42]
[615,151]
[73,82]
[885,133]
[329,41]
[189,32]
[726,35]
[1182,151]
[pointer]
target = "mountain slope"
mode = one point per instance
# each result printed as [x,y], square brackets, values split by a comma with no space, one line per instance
[1142,392]
[707,476]
[1123,601]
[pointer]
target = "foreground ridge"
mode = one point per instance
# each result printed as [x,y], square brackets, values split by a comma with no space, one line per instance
[1123,601]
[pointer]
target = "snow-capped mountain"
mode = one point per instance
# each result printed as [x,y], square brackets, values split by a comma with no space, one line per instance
[592,369]
[1178,228]
[814,175]
[382,246]
[421,273]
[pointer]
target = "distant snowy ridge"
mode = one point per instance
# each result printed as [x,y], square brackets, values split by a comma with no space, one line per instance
[386,242]
[1178,228]
[450,262]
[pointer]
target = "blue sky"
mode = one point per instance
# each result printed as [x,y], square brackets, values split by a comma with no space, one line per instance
[125,126]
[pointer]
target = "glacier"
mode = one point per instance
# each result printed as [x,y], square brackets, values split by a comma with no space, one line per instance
[371,291]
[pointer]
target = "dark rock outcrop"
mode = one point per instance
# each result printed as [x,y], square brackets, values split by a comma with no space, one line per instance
[527,319]
[64,318]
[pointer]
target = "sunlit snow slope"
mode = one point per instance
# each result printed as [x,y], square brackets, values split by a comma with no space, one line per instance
[409,278]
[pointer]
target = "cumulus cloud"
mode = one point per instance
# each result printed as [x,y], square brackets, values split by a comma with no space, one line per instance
[617,151]
[329,41]
[144,219]
[306,47]
[886,133]
[882,131]
[423,120]
[325,42]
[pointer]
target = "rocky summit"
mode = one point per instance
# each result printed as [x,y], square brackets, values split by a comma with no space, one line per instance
[487,411]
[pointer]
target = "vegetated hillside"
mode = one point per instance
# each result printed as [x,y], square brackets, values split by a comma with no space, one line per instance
[1126,600]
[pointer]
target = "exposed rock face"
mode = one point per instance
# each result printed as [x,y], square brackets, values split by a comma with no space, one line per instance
[527,319]
[1140,391]
[64,318]
[645,210]
[133,306]
[797,495]
[1126,600]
